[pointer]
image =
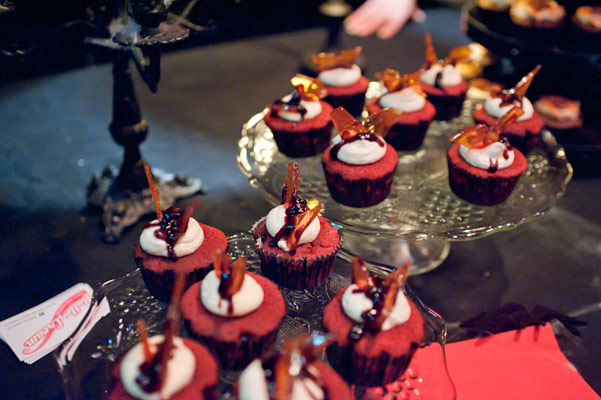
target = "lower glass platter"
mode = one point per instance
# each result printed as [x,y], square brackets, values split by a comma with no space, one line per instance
[85,360]
[421,205]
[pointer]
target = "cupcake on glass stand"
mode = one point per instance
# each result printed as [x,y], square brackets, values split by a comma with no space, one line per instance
[300,122]
[537,21]
[342,78]
[483,166]
[359,166]
[376,328]
[297,246]
[404,94]
[442,83]
[524,134]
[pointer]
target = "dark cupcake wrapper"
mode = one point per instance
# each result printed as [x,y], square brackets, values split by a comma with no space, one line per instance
[360,192]
[293,274]
[354,104]
[305,144]
[447,107]
[407,137]
[477,190]
[362,370]
[236,355]
[160,284]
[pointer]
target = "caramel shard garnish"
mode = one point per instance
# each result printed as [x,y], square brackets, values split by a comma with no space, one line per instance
[235,278]
[431,57]
[458,55]
[361,276]
[154,191]
[519,90]
[309,88]
[302,222]
[144,340]
[221,262]
[343,59]
[393,283]
[290,190]
[182,221]
[481,135]
[380,123]
[377,124]
[346,125]
[394,81]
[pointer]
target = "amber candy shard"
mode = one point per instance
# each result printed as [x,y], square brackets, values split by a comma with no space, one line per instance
[346,125]
[431,57]
[153,191]
[343,59]
[481,135]
[458,55]
[377,124]
[230,275]
[394,81]
[380,123]
[361,276]
[519,90]
[303,221]
[309,88]
[290,190]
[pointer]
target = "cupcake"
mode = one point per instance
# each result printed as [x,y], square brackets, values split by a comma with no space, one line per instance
[293,373]
[165,366]
[471,60]
[494,12]
[537,20]
[442,83]
[376,328]
[561,115]
[175,243]
[297,247]
[483,167]
[416,113]
[524,134]
[359,166]
[586,32]
[236,313]
[300,122]
[342,78]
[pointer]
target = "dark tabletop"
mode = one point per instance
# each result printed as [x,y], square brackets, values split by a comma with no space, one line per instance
[55,137]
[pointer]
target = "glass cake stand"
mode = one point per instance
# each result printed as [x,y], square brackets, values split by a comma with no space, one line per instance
[421,215]
[86,358]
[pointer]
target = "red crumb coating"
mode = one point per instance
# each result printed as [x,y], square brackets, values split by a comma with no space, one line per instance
[517,168]
[411,118]
[396,341]
[334,385]
[453,91]
[203,384]
[201,258]
[305,125]
[356,88]
[324,244]
[518,128]
[260,322]
[349,172]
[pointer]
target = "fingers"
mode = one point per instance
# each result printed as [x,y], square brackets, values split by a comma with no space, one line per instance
[382,17]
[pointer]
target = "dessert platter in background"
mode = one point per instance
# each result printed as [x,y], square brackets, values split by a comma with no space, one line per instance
[421,215]
[571,67]
[86,359]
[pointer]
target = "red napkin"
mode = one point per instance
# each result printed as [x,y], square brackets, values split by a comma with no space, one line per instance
[516,365]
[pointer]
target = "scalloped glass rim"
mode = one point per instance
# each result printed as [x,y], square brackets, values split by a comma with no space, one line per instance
[84,360]
[421,205]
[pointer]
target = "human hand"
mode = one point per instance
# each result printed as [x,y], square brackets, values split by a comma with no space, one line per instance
[382,17]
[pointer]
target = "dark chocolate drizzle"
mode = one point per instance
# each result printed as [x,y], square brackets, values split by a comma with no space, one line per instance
[297,206]
[438,80]
[169,228]
[291,106]
[377,295]
[494,164]
[361,136]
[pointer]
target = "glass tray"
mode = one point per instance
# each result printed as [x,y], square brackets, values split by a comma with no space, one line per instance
[85,360]
[421,208]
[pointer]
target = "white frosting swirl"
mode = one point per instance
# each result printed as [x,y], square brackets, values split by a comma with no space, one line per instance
[340,77]
[180,369]
[406,100]
[276,220]
[360,152]
[313,110]
[450,76]
[485,156]
[188,243]
[252,385]
[493,107]
[246,300]
[355,303]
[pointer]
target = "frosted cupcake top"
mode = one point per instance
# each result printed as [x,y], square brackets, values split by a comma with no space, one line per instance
[338,69]
[404,93]
[303,103]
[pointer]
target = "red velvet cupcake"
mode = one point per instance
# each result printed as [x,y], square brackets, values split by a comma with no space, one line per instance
[342,78]
[293,373]
[297,247]
[483,168]
[560,114]
[164,251]
[523,134]
[376,328]
[410,127]
[236,313]
[300,122]
[444,86]
[359,168]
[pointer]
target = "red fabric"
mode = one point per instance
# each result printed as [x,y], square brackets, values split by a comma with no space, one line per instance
[305,125]
[411,118]
[370,171]
[532,125]
[260,322]
[452,91]
[358,87]
[201,258]
[516,365]
[396,341]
